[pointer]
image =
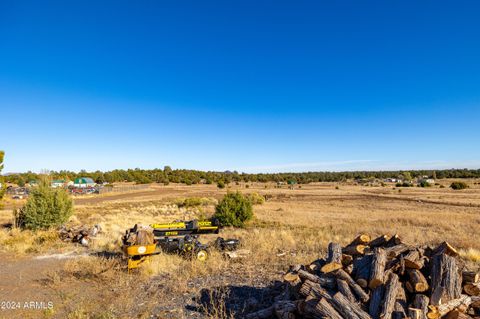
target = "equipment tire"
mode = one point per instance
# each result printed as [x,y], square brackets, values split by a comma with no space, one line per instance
[201,255]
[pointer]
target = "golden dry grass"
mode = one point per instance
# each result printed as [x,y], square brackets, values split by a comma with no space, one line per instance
[292,226]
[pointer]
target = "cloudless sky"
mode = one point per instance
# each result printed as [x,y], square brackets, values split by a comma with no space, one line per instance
[256,86]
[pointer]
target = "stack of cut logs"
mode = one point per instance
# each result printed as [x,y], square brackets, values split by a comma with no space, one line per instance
[79,234]
[380,278]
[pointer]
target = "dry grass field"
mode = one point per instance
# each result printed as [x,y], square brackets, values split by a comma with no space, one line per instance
[292,226]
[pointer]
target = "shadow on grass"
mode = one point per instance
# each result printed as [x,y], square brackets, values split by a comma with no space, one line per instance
[232,301]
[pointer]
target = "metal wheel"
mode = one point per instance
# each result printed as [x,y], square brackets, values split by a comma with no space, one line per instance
[201,255]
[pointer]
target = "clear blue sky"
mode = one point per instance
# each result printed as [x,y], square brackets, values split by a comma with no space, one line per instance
[246,85]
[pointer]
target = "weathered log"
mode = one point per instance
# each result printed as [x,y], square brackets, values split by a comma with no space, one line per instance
[348,269]
[362,239]
[417,282]
[414,313]
[399,311]
[359,292]
[354,250]
[344,288]
[470,277]
[313,288]
[334,259]
[391,290]
[413,260]
[294,283]
[445,248]
[361,269]
[394,251]
[379,241]
[316,265]
[441,310]
[378,268]
[348,309]
[326,310]
[445,278]
[328,282]
[472,289]
[456,314]
[347,259]
[421,302]
[393,241]
[376,301]
[285,309]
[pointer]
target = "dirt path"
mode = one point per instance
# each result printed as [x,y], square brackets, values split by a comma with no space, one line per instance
[23,292]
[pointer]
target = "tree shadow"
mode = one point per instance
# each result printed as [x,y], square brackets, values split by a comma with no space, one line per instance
[235,301]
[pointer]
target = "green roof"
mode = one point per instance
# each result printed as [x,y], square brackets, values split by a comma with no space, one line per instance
[84,180]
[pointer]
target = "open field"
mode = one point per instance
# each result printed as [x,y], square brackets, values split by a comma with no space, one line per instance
[292,226]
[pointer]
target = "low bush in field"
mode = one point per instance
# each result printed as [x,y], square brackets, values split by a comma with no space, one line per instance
[45,207]
[195,202]
[256,198]
[458,185]
[234,210]
[404,184]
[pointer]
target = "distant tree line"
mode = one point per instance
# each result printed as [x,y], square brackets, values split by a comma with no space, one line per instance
[168,175]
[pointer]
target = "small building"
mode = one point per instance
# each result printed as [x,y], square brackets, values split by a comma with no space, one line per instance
[56,183]
[84,182]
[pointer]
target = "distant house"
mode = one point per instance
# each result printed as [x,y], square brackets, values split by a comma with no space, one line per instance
[58,183]
[83,182]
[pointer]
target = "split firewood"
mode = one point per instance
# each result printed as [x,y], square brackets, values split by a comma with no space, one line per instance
[399,311]
[396,250]
[347,309]
[441,310]
[354,250]
[392,280]
[328,282]
[326,310]
[361,269]
[414,313]
[361,294]
[376,302]
[421,302]
[379,241]
[445,278]
[334,259]
[362,239]
[417,281]
[472,289]
[470,277]
[414,260]
[455,314]
[445,248]
[293,283]
[378,268]
[391,290]
[393,241]
[347,259]
[312,288]
[349,269]
[344,288]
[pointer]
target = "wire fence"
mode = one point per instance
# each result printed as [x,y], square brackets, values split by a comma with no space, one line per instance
[124,188]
